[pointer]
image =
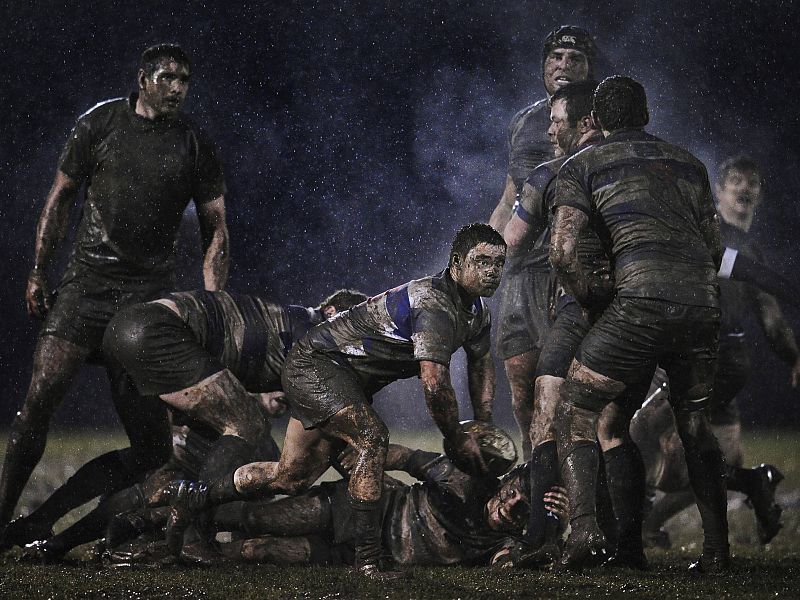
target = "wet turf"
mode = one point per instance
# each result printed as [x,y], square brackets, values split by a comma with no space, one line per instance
[759,572]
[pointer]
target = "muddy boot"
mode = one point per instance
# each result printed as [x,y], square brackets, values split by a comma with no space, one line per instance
[24,531]
[759,484]
[366,518]
[586,544]
[626,485]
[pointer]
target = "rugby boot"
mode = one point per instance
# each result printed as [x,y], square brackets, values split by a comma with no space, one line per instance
[626,486]
[45,552]
[711,563]
[762,499]
[366,520]
[22,531]
[586,545]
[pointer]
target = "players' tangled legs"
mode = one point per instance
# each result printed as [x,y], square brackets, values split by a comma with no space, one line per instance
[623,298]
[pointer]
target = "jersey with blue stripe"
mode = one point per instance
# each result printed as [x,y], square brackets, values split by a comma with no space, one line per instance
[385,337]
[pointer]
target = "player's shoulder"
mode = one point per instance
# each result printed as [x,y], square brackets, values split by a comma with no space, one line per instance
[530,111]
[105,108]
[541,177]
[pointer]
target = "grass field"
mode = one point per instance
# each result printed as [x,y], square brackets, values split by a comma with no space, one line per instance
[760,572]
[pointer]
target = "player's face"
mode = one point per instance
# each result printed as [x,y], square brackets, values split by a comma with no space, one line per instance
[508,509]
[479,272]
[563,66]
[562,136]
[165,90]
[739,193]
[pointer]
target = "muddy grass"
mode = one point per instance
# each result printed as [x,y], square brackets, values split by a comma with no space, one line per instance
[759,572]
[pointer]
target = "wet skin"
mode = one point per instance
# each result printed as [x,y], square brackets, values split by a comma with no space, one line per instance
[563,66]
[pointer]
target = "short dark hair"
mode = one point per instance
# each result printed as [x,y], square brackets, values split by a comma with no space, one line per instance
[153,55]
[620,102]
[343,299]
[577,97]
[740,162]
[473,234]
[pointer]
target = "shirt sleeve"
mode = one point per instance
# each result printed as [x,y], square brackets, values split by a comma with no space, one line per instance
[433,328]
[570,188]
[209,180]
[76,158]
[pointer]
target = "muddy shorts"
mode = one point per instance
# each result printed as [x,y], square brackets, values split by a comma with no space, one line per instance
[87,300]
[562,341]
[524,312]
[635,334]
[159,352]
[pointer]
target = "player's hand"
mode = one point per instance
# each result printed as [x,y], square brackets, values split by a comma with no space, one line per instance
[556,501]
[465,453]
[348,458]
[37,294]
[794,378]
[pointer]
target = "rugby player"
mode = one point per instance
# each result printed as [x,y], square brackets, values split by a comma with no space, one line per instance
[653,203]
[142,162]
[567,56]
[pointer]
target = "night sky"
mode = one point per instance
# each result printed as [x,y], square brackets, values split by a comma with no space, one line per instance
[357,137]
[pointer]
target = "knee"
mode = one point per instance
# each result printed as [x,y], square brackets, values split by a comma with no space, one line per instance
[592,396]
[376,436]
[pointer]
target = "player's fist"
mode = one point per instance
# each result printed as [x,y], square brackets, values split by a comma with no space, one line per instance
[37,294]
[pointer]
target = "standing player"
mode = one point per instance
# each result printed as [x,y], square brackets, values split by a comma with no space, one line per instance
[331,374]
[738,193]
[567,56]
[653,200]
[142,162]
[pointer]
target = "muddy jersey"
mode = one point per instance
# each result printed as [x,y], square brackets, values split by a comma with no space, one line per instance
[441,520]
[384,338]
[528,143]
[648,199]
[737,297]
[250,335]
[535,207]
[140,175]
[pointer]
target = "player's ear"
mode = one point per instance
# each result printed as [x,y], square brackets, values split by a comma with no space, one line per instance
[455,260]
[586,124]
[597,124]
[141,78]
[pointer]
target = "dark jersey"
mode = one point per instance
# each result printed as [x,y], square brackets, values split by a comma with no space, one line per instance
[528,143]
[737,297]
[649,198]
[536,205]
[250,335]
[384,338]
[140,175]
[438,521]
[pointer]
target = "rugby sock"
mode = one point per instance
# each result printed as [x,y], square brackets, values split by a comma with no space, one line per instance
[544,474]
[605,510]
[579,465]
[366,519]
[707,475]
[626,485]
[107,473]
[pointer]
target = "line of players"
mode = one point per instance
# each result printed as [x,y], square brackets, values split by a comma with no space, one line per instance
[206,354]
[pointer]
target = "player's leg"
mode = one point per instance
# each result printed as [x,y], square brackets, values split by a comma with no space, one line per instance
[301,550]
[520,370]
[56,361]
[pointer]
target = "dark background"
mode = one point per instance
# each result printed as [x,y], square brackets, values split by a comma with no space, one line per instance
[357,136]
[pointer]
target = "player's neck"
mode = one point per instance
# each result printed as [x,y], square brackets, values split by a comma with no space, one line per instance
[735,220]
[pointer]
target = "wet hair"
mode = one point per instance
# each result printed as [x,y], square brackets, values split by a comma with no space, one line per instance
[741,163]
[343,299]
[473,234]
[577,97]
[570,36]
[154,54]
[620,102]
[523,474]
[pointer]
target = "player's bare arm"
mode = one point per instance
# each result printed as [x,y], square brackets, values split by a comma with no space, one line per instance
[440,397]
[568,222]
[779,333]
[49,233]
[214,230]
[481,376]
[502,212]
